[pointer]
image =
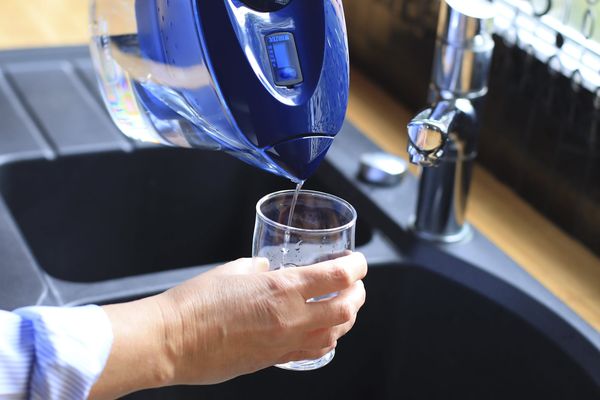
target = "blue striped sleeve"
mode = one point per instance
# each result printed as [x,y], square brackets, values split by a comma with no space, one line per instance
[16,355]
[51,353]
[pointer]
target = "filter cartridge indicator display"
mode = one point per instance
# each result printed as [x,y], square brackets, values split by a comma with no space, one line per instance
[283,56]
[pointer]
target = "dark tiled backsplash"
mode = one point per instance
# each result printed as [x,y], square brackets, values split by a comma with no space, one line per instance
[541,133]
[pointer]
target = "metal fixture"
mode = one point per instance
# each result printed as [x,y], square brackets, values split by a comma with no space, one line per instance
[443,138]
[382,169]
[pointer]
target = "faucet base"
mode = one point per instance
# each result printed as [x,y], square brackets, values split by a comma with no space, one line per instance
[464,235]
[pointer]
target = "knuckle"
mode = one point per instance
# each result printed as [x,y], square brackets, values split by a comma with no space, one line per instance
[274,311]
[363,293]
[361,285]
[279,302]
[275,284]
[341,275]
[330,339]
[362,261]
[345,312]
[349,327]
[326,350]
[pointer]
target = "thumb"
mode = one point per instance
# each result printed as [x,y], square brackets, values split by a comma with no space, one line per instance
[244,266]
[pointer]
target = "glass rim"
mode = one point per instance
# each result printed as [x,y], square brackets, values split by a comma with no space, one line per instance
[293,229]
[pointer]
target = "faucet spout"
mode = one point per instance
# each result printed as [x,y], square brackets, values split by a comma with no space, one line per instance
[445,131]
[428,133]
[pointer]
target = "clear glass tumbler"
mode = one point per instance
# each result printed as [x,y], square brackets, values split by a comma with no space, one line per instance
[322,228]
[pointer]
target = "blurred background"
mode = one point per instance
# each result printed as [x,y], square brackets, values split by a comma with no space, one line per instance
[540,134]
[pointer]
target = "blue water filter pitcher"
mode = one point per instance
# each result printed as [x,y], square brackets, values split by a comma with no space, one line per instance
[264,80]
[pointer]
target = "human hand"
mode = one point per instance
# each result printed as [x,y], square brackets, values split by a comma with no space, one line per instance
[238,319]
[233,320]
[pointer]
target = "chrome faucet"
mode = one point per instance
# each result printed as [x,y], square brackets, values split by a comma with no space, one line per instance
[443,138]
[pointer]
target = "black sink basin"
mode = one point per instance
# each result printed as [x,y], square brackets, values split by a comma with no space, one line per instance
[88,217]
[109,215]
[420,336]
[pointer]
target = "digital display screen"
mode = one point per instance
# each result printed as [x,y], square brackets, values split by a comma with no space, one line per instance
[283,56]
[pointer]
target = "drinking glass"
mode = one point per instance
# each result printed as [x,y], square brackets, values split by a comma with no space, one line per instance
[322,228]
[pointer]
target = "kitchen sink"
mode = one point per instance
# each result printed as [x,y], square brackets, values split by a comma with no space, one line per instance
[89,217]
[109,215]
[420,336]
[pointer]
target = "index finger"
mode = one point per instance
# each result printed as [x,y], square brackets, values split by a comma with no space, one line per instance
[329,276]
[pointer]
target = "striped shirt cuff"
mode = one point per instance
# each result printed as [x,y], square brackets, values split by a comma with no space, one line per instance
[71,347]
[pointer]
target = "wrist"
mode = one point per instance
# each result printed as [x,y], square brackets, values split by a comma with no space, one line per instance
[183,335]
[169,333]
[140,358]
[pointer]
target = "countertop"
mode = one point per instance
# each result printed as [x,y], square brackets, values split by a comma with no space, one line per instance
[560,263]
